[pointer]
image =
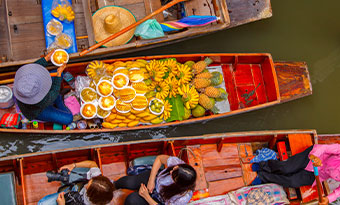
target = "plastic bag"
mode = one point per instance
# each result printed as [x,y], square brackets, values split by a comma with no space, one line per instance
[62,10]
[149,29]
[81,82]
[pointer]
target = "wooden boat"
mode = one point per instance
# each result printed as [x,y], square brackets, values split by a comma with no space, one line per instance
[23,26]
[221,160]
[277,83]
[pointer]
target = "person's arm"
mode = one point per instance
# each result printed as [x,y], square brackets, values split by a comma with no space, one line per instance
[143,192]
[334,195]
[61,199]
[160,159]
[84,164]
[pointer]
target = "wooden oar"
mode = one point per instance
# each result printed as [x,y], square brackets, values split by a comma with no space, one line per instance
[11,80]
[318,183]
[130,27]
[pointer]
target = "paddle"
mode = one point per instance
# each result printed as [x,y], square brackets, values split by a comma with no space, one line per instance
[318,183]
[84,52]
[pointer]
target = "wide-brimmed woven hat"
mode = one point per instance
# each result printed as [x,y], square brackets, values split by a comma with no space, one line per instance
[31,83]
[109,20]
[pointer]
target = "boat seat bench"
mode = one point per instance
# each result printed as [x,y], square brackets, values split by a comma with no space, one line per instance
[7,188]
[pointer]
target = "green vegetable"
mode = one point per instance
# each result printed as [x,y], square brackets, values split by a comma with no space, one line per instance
[177,112]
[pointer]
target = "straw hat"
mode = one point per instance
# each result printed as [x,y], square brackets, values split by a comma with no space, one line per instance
[111,19]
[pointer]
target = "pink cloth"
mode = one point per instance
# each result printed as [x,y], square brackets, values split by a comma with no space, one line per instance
[72,104]
[330,157]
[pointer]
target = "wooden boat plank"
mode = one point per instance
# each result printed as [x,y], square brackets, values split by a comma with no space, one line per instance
[195,160]
[294,81]
[88,24]
[329,139]
[246,11]
[269,76]
[219,187]
[263,9]
[231,137]
[36,186]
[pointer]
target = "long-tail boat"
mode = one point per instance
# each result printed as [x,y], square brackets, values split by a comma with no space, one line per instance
[252,81]
[222,161]
[22,38]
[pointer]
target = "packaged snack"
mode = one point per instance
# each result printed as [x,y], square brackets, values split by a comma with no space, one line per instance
[88,110]
[139,103]
[63,41]
[88,95]
[107,103]
[123,107]
[127,94]
[104,88]
[62,10]
[156,106]
[102,113]
[54,27]
[59,57]
[120,81]
[136,75]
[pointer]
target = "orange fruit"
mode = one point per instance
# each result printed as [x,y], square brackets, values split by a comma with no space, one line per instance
[60,57]
[89,110]
[105,88]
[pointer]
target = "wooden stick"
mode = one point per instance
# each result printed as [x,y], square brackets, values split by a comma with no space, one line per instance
[84,52]
[318,183]
[11,80]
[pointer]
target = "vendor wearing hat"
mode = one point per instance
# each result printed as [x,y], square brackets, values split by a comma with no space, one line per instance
[37,93]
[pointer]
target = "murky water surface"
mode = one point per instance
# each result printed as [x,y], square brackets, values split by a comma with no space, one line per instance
[302,30]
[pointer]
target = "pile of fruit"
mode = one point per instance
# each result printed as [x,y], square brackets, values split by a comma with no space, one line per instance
[63,12]
[126,94]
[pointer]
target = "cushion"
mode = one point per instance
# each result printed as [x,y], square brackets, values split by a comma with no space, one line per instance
[7,189]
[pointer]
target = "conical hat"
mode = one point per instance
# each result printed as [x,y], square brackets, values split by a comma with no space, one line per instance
[109,20]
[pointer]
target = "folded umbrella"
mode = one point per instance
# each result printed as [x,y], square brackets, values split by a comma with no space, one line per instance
[189,21]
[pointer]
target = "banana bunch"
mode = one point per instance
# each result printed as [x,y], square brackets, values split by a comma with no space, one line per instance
[131,119]
[63,12]
[95,70]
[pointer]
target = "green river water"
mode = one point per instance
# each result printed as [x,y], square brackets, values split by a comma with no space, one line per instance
[303,30]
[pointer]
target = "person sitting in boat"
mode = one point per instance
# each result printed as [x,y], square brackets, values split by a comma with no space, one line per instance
[37,93]
[173,185]
[98,190]
[297,170]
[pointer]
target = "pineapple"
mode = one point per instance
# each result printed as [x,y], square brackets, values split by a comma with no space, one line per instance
[204,75]
[214,92]
[201,65]
[208,103]
[201,82]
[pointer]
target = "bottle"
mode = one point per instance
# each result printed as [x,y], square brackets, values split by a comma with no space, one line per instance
[24,123]
[82,124]
[71,126]
[68,77]
[35,125]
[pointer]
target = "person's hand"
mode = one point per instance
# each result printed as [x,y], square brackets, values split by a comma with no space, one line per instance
[61,199]
[151,186]
[315,160]
[324,201]
[48,56]
[68,166]
[143,191]
[61,69]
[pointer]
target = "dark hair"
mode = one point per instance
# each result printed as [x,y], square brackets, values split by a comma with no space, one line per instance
[184,178]
[100,190]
